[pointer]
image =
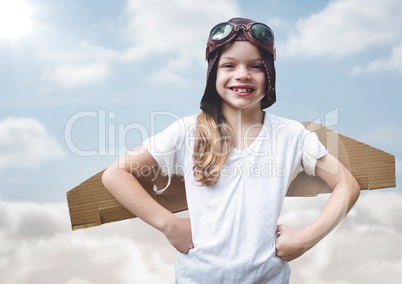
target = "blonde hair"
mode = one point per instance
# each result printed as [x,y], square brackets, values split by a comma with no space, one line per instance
[212,145]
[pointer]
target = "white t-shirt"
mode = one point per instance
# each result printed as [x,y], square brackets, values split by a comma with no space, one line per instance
[234,222]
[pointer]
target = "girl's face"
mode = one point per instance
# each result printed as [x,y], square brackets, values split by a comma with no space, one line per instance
[240,79]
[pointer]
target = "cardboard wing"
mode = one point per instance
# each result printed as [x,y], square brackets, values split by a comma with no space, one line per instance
[90,204]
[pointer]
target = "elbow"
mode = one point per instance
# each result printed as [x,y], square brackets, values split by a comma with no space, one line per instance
[355,189]
[112,177]
[107,177]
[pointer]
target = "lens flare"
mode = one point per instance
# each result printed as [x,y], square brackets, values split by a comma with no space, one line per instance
[15,18]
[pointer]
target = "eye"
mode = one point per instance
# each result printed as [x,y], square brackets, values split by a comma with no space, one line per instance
[228,65]
[257,67]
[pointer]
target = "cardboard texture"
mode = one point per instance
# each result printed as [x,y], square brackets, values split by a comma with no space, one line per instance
[90,204]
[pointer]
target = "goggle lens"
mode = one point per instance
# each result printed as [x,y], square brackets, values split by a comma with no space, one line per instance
[221,31]
[261,32]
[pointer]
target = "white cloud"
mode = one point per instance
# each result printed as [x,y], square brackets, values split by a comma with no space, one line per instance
[160,27]
[170,74]
[153,30]
[84,52]
[384,138]
[363,249]
[346,27]
[78,75]
[393,63]
[174,32]
[167,78]
[25,142]
[38,246]
[82,65]
[79,281]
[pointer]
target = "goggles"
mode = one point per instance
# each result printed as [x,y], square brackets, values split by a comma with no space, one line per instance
[256,33]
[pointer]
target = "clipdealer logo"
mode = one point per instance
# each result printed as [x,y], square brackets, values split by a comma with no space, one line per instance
[271,168]
[111,137]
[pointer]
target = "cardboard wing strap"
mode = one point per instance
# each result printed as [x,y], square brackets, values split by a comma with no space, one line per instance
[90,204]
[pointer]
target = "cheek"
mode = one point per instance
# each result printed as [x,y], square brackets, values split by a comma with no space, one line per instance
[263,83]
[220,82]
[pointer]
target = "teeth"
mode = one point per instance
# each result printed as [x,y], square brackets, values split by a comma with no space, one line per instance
[242,90]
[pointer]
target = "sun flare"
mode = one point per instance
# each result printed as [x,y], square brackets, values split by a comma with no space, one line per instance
[15,18]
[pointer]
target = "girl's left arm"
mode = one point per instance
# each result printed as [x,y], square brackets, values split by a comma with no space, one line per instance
[291,244]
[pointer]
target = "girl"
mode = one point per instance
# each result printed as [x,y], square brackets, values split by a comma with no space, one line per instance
[237,162]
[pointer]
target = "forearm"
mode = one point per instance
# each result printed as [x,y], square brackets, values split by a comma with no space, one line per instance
[345,193]
[130,193]
[338,205]
[291,244]
[120,179]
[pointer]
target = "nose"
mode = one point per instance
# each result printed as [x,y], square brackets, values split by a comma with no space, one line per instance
[243,74]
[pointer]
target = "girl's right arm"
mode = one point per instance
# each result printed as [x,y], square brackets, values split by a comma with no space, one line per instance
[120,179]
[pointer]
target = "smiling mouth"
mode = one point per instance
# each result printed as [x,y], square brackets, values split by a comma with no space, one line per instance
[242,90]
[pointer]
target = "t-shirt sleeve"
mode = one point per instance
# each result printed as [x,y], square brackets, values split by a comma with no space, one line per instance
[312,150]
[164,148]
[164,145]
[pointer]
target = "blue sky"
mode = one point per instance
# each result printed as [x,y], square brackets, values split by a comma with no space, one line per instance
[86,80]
